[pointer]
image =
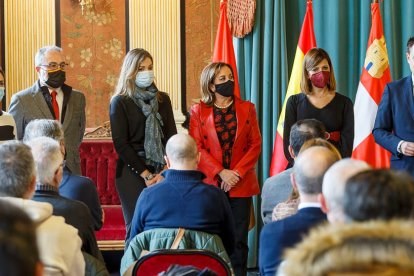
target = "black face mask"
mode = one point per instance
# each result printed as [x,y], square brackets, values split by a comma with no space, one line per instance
[225,89]
[56,79]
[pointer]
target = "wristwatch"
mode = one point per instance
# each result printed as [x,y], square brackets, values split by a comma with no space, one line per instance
[149,177]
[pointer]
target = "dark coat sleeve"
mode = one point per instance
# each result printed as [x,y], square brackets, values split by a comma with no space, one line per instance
[383,127]
[347,131]
[290,120]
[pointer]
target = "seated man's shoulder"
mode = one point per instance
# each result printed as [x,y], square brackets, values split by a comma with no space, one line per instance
[72,182]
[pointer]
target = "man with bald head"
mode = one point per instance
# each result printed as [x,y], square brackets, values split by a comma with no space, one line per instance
[308,171]
[333,187]
[182,199]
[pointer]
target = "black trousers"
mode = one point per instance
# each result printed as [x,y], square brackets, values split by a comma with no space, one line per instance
[240,207]
[129,187]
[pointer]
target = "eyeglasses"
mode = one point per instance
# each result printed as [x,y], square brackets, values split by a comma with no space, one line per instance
[55,66]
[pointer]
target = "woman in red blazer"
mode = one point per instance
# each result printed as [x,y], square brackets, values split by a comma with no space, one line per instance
[228,137]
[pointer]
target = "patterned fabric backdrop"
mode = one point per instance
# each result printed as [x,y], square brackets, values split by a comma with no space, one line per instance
[94,45]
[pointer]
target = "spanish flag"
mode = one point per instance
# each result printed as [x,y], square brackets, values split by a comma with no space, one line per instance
[223,46]
[375,75]
[306,42]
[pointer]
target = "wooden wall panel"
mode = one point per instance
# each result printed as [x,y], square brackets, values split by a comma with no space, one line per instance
[155,26]
[29,25]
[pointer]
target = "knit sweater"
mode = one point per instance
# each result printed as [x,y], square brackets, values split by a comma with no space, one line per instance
[183,200]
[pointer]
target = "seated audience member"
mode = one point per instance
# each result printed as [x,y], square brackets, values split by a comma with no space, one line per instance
[333,187]
[278,187]
[19,255]
[379,194]
[49,162]
[380,248]
[59,243]
[308,171]
[290,206]
[72,186]
[7,123]
[182,199]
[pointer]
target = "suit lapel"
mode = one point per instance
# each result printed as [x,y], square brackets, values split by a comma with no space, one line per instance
[242,114]
[68,115]
[208,118]
[40,102]
[408,94]
[67,108]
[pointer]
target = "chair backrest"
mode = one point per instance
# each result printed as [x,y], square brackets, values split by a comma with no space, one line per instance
[160,260]
[163,238]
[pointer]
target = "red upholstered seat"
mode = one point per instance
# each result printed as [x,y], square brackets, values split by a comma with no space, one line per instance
[160,260]
[98,162]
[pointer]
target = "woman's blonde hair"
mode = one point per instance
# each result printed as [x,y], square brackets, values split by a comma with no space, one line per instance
[129,70]
[313,58]
[323,143]
[207,77]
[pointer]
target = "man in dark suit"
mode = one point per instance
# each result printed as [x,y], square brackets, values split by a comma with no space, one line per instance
[394,124]
[49,169]
[72,186]
[51,98]
[308,171]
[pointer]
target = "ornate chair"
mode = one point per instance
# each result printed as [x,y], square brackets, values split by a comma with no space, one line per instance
[98,162]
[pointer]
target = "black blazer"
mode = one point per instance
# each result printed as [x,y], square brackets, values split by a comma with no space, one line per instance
[279,235]
[128,130]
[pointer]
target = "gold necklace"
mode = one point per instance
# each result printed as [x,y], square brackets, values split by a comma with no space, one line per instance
[227,105]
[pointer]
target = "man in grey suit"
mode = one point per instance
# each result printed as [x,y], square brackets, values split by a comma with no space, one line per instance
[277,188]
[51,98]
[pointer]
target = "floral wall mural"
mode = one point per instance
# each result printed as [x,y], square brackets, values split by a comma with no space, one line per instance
[94,44]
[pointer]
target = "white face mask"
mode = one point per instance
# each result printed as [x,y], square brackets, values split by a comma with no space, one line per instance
[2,89]
[144,78]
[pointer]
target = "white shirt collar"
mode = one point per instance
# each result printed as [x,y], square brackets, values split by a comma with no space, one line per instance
[309,204]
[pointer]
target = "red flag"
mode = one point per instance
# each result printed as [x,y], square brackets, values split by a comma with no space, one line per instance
[375,75]
[223,46]
[306,42]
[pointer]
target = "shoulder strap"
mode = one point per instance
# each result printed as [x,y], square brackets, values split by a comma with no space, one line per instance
[178,238]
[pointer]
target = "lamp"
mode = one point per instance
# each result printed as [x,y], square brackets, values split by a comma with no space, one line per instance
[86,4]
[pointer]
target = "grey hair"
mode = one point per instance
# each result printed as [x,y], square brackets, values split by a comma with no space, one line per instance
[310,167]
[48,158]
[40,55]
[335,178]
[181,148]
[17,169]
[43,127]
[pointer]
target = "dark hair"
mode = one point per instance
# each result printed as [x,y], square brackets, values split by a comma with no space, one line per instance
[312,58]
[19,254]
[410,44]
[303,131]
[379,194]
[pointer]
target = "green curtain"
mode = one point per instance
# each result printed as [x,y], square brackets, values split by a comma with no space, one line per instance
[265,58]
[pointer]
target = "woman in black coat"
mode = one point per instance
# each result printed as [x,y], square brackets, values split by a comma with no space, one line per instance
[142,121]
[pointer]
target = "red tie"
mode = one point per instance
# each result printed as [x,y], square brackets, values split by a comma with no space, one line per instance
[55,105]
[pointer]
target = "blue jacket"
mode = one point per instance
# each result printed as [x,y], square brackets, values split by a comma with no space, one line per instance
[183,200]
[395,121]
[279,235]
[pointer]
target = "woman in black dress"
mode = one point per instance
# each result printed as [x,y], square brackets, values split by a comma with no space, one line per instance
[320,101]
[142,121]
